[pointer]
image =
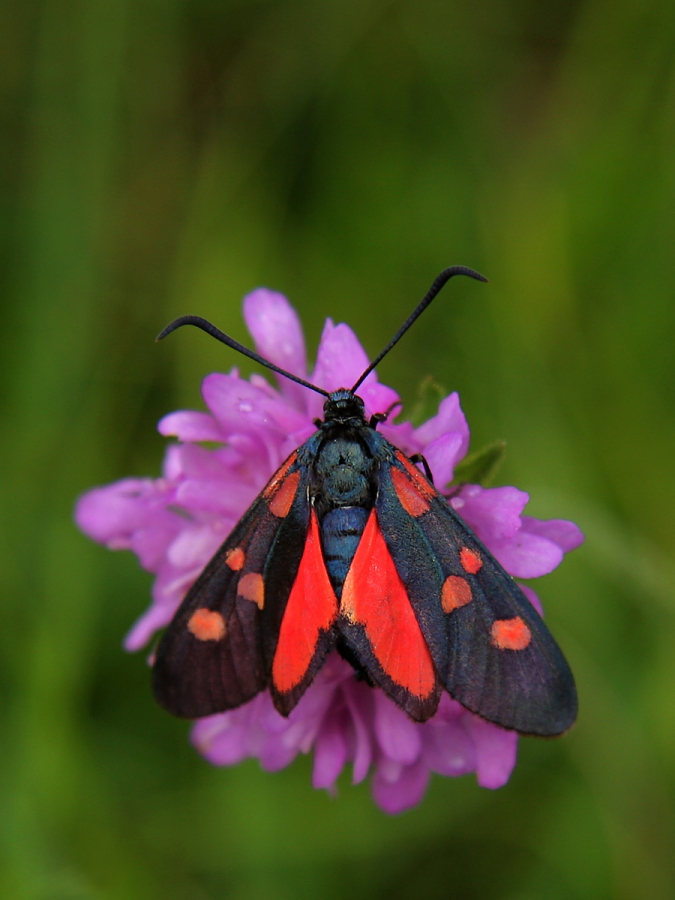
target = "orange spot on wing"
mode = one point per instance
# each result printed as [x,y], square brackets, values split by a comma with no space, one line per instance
[312,607]
[375,597]
[410,497]
[420,481]
[207,625]
[470,560]
[455,592]
[235,559]
[278,476]
[252,587]
[511,634]
[281,502]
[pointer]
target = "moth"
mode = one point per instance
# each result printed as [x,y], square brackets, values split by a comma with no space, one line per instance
[350,547]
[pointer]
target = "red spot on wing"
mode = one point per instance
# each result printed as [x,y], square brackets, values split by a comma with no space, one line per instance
[252,587]
[279,476]
[283,498]
[455,592]
[207,625]
[312,607]
[470,560]
[235,559]
[511,634]
[409,495]
[375,597]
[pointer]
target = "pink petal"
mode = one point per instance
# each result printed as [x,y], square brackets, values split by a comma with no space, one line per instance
[315,703]
[399,738]
[449,419]
[561,532]
[194,546]
[395,791]
[443,454]
[171,468]
[227,497]
[493,513]
[190,426]
[171,585]
[449,710]
[221,739]
[238,406]
[533,598]
[302,731]
[105,513]
[340,359]
[153,618]
[199,463]
[330,753]
[401,435]
[285,416]
[277,754]
[495,752]
[265,714]
[527,556]
[448,749]
[378,398]
[254,457]
[150,544]
[278,337]
[358,704]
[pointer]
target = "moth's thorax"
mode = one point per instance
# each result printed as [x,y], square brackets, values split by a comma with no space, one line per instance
[342,471]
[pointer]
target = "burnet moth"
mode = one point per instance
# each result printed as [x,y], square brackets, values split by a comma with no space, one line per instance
[350,547]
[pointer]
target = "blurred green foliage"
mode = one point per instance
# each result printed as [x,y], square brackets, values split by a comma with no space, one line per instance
[166,157]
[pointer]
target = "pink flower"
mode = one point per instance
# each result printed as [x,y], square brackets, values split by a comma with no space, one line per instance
[176,523]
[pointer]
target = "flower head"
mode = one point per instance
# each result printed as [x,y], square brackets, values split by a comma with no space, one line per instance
[175,524]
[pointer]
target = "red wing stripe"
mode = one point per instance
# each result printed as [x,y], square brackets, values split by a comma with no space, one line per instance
[375,597]
[279,476]
[283,497]
[423,485]
[312,607]
[410,497]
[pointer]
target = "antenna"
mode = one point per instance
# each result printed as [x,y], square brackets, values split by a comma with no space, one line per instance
[440,281]
[211,329]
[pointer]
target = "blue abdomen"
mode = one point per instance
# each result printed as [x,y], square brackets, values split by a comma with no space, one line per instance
[341,531]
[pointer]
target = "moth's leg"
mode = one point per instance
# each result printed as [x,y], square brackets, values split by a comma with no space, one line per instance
[418,458]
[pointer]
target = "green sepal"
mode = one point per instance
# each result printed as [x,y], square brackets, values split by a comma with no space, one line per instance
[480,467]
[429,396]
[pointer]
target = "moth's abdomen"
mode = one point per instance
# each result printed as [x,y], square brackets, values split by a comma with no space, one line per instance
[341,531]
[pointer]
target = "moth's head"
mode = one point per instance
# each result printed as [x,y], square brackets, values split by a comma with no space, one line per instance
[343,406]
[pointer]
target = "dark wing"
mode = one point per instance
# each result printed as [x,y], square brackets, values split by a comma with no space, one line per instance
[490,648]
[220,649]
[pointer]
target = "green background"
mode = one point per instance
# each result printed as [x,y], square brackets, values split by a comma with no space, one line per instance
[166,157]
